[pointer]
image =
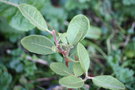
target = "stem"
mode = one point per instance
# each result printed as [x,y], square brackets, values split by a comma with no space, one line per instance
[55,38]
[9,3]
[60,50]
[70,89]
[42,79]
[108,42]
[66,59]
[87,77]
[90,77]
[40,61]
[127,40]
[63,52]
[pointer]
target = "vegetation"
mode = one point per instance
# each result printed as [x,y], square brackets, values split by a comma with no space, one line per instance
[81,40]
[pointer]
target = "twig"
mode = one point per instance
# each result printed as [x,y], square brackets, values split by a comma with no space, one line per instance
[108,42]
[40,61]
[42,79]
[87,77]
[90,77]
[60,50]
[127,40]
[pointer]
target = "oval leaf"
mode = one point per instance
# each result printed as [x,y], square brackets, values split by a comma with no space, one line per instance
[83,57]
[93,33]
[38,44]
[60,69]
[33,15]
[71,82]
[15,19]
[108,82]
[77,29]
[78,71]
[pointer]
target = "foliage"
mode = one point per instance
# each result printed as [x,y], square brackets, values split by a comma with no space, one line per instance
[38,44]
[109,42]
[77,30]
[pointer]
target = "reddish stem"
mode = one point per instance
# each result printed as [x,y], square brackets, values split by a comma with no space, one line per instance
[63,52]
[55,38]
[60,50]
[66,59]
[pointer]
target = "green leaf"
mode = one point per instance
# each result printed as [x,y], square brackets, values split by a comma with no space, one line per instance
[108,82]
[16,65]
[130,49]
[71,82]
[14,17]
[77,29]
[38,44]
[33,15]
[5,78]
[60,69]
[63,37]
[93,33]
[78,71]
[83,57]
[20,23]
[8,31]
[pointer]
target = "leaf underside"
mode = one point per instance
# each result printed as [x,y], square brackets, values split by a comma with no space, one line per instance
[38,44]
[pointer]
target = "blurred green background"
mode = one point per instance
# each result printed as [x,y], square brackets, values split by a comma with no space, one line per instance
[110,42]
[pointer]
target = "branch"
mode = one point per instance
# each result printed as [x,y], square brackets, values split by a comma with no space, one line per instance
[40,61]
[60,50]
[42,79]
